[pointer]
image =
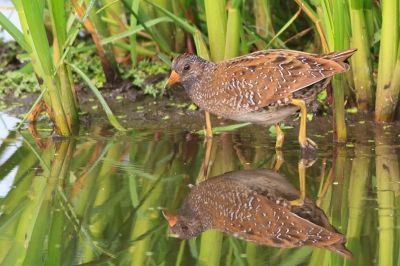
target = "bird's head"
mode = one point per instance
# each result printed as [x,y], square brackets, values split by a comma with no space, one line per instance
[188,69]
[184,227]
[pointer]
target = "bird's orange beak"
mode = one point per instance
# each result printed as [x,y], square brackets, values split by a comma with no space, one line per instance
[172,219]
[174,78]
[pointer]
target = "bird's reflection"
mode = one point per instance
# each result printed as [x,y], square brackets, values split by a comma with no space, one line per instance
[255,205]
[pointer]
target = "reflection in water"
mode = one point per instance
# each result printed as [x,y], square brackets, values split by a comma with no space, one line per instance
[255,205]
[96,199]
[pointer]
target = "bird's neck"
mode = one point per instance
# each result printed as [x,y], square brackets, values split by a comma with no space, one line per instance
[201,205]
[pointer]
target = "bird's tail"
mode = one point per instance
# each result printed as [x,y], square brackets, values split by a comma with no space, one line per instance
[340,248]
[339,56]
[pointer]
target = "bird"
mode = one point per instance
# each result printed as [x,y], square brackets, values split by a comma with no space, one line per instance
[263,87]
[255,205]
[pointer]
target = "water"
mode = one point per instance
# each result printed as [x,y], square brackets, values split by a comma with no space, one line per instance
[96,199]
[8,10]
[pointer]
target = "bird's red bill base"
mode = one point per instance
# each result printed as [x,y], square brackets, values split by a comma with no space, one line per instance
[172,219]
[173,78]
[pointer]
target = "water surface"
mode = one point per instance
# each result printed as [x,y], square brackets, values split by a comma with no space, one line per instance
[96,199]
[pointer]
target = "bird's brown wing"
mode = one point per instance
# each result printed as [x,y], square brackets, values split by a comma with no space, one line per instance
[258,219]
[261,78]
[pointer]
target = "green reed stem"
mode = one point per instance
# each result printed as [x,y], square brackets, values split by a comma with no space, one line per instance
[31,16]
[68,94]
[115,13]
[387,94]
[386,203]
[361,64]
[150,193]
[216,26]
[233,31]
[133,23]
[338,84]
[165,29]
[360,178]
[261,12]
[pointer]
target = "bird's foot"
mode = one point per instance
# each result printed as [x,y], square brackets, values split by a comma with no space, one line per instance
[308,149]
[308,143]
[305,163]
[298,202]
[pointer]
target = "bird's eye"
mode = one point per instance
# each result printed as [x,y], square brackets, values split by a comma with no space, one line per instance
[184,229]
[186,67]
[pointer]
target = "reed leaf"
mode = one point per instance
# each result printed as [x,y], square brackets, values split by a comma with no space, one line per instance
[103,103]
[133,30]
[284,28]
[182,23]
[163,46]
[14,32]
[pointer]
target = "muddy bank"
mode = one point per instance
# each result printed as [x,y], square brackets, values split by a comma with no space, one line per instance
[130,106]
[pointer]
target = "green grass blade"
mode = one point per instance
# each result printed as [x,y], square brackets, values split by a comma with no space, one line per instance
[10,218]
[217,130]
[161,44]
[177,20]
[164,58]
[134,30]
[37,31]
[107,109]
[36,248]
[40,159]
[284,28]
[201,46]
[14,32]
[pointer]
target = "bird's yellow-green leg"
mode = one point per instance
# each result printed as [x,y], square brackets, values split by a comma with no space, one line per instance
[280,136]
[302,181]
[279,159]
[303,140]
[207,157]
[208,130]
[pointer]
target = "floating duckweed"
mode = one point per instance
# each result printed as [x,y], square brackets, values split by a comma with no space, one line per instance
[352,110]
[192,107]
